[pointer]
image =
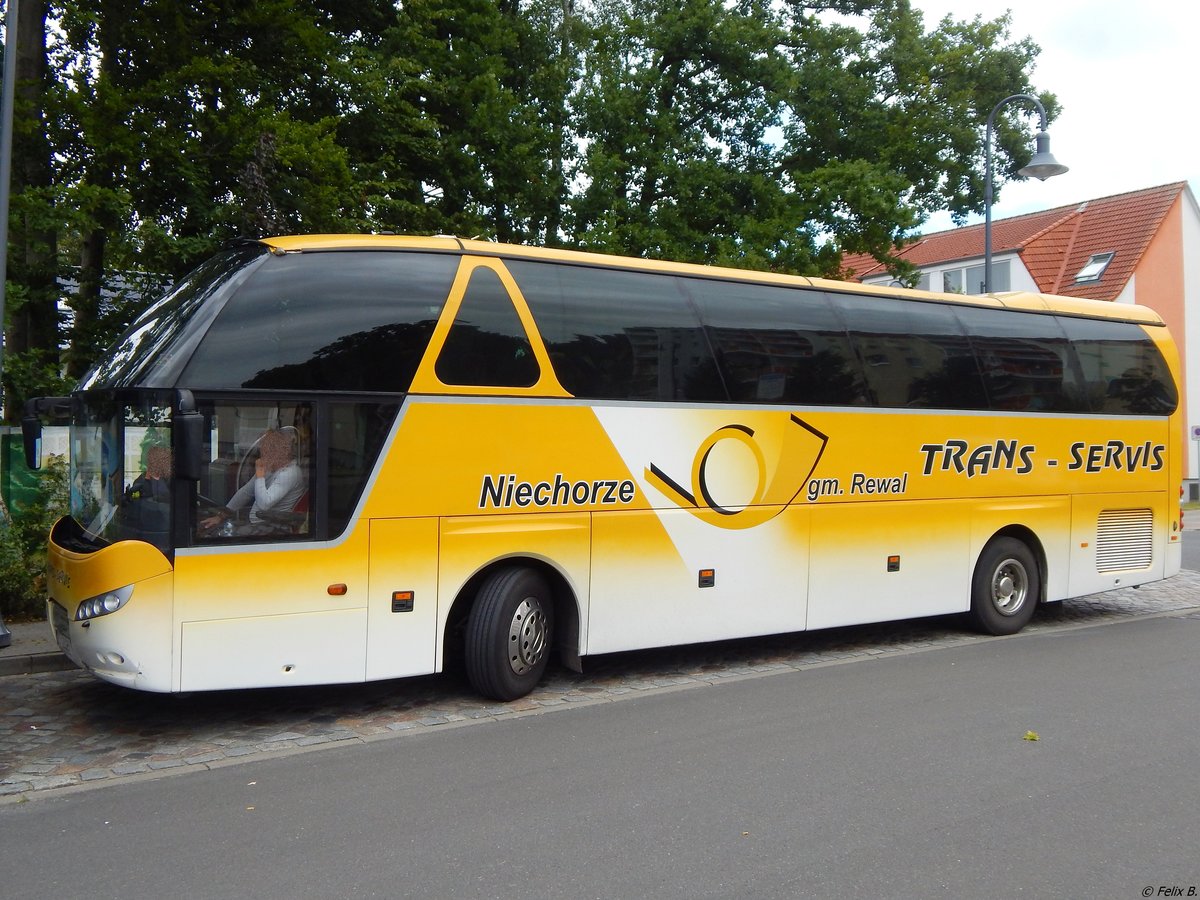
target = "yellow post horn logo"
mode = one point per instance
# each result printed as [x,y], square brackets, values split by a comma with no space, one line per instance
[772,468]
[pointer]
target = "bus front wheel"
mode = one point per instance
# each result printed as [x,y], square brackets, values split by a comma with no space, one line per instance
[510,633]
[1005,588]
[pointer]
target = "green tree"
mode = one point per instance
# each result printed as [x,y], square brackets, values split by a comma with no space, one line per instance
[743,132]
[185,125]
[23,543]
[458,122]
[677,108]
[206,92]
[31,351]
[885,119]
[774,136]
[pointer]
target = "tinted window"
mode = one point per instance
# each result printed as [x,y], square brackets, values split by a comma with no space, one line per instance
[914,354]
[310,484]
[160,340]
[778,345]
[356,435]
[487,344]
[619,335]
[1026,361]
[350,321]
[258,469]
[1122,370]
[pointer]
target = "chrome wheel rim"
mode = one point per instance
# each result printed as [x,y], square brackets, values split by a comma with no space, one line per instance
[528,640]
[1010,587]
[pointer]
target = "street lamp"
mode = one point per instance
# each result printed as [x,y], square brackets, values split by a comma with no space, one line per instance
[1042,166]
[6,105]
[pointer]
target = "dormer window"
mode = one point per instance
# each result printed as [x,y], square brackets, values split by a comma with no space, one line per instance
[1095,268]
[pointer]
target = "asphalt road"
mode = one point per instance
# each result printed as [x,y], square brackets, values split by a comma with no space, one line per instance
[903,776]
[1191,552]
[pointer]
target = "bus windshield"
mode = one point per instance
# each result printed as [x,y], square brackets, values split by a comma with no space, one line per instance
[121,464]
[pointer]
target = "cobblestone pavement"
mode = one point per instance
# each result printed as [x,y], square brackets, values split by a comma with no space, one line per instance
[66,728]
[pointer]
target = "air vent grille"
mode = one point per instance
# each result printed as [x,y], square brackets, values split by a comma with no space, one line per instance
[1124,540]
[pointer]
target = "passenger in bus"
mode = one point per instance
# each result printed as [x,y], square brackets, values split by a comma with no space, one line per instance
[273,492]
[153,484]
[146,509]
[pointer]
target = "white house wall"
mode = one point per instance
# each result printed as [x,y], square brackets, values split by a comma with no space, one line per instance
[1129,294]
[1191,307]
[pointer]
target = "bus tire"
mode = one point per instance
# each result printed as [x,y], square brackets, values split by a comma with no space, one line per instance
[510,633]
[1005,588]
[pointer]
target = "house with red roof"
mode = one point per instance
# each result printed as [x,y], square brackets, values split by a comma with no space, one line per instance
[1140,247]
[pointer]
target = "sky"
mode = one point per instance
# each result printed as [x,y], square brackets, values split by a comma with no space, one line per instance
[1124,73]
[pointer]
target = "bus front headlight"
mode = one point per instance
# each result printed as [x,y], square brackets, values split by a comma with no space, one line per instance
[103,604]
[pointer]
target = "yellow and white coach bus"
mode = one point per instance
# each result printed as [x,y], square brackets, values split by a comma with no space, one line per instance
[340,459]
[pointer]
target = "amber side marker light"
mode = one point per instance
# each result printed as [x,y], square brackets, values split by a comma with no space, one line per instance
[337,590]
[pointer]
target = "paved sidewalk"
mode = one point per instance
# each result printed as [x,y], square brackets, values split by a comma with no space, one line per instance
[65,729]
[33,650]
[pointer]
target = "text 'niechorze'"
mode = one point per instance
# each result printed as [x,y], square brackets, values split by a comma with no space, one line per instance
[505,491]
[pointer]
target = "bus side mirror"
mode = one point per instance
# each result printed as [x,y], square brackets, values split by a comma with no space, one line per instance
[189,441]
[188,428]
[31,434]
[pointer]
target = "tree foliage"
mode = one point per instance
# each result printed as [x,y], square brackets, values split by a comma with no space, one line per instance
[23,531]
[770,134]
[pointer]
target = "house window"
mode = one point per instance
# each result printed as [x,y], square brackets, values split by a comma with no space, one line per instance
[970,279]
[922,282]
[1095,267]
[1000,280]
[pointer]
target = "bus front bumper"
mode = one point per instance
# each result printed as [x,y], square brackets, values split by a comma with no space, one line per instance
[131,647]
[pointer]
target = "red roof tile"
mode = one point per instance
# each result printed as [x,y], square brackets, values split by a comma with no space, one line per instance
[1054,245]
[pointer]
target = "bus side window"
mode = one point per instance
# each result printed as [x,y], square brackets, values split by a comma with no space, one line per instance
[357,431]
[778,345]
[1124,372]
[487,344]
[616,335]
[1026,361]
[256,482]
[915,354]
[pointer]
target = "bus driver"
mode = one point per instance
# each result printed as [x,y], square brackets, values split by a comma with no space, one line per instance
[277,485]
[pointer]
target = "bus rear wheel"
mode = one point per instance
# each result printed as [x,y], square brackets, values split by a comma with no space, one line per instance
[510,633]
[1005,588]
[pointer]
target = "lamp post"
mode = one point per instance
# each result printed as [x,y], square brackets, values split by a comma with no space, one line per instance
[6,105]
[1042,166]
